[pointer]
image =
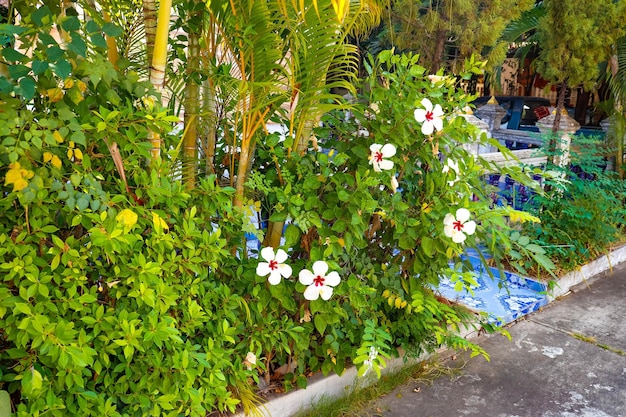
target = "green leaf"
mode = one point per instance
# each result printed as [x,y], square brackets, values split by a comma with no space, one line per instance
[92,27]
[427,246]
[18,71]
[320,323]
[77,45]
[49,229]
[11,54]
[62,69]
[39,67]
[42,16]
[98,40]
[70,24]
[292,235]
[27,87]
[5,404]
[536,249]
[111,29]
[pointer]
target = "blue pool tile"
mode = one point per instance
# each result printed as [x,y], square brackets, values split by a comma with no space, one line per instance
[502,299]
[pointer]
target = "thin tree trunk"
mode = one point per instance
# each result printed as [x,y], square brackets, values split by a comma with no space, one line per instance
[440,43]
[150,27]
[192,109]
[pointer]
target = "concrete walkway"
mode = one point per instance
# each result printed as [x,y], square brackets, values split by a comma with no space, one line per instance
[567,360]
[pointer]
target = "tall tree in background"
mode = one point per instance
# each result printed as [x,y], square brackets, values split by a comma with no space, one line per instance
[575,36]
[467,26]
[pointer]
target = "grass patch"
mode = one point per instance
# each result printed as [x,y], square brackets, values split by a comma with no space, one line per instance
[358,403]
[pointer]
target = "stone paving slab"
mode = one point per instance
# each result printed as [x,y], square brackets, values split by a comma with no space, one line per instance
[544,371]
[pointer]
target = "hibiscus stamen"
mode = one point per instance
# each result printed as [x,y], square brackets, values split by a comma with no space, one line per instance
[457,225]
[273,265]
[378,156]
[318,281]
[429,116]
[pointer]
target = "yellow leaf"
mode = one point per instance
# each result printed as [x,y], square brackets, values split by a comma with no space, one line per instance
[159,223]
[56,162]
[55,94]
[78,154]
[70,153]
[17,176]
[68,83]
[81,86]
[341,8]
[341,242]
[57,136]
[127,218]
[20,184]
[426,208]
[47,157]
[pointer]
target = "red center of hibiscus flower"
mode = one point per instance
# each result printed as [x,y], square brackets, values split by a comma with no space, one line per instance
[318,281]
[273,265]
[378,156]
[430,116]
[457,225]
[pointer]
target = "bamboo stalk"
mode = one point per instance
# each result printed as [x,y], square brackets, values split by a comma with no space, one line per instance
[150,26]
[112,52]
[157,69]
[192,107]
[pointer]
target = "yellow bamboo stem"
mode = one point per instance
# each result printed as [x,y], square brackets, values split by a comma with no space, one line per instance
[157,69]
[112,52]
[159,58]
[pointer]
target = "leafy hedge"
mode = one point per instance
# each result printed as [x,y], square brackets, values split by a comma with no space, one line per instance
[124,293]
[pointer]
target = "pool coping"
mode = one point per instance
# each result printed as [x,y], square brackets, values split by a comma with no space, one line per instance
[334,386]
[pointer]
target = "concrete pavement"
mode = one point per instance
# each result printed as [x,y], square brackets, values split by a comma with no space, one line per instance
[567,360]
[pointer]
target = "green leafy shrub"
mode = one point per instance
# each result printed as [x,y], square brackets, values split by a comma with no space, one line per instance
[582,213]
[124,293]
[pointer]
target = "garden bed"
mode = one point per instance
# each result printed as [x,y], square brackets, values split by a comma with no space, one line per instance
[335,386]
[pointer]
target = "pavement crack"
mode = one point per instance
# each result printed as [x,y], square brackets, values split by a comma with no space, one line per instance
[583,338]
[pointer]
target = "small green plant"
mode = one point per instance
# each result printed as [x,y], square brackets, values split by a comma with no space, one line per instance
[582,211]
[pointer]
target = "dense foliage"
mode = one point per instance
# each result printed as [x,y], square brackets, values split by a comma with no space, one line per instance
[582,213]
[126,293]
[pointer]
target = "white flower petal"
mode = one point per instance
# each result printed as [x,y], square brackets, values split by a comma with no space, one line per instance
[458,237]
[388,150]
[385,164]
[375,165]
[312,292]
[437,123]
[306,277]
[375,147]
[263,268]
[325,292]
[274,278]
[320,268]
[281,256]
[448,230]
[420,115]
[267,253]
[462,215]
[469,228]
[427,104]
[428,128]
[438,111]
[449,219]
[332,279]
[284,270]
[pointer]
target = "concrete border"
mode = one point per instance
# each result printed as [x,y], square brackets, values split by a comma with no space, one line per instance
[334,386]
[573,278]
